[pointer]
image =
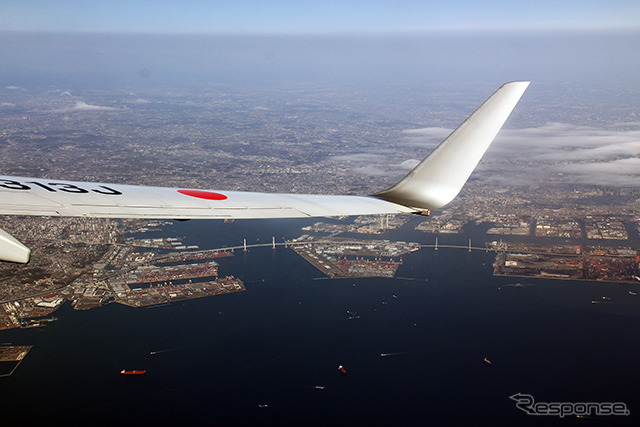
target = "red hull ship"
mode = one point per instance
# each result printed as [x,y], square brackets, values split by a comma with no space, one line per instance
[124,372]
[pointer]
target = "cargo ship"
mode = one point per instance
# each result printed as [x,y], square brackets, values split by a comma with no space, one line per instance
[125,372]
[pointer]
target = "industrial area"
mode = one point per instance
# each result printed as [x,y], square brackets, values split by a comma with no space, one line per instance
[10,358]
[341,258]
[93,262]
[133,271]
[566,261]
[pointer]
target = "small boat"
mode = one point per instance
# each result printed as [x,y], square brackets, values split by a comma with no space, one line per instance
[341,369]
[125,372]
[487,361]
[319,387]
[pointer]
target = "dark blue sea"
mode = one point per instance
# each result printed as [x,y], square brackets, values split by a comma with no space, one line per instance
[217,360]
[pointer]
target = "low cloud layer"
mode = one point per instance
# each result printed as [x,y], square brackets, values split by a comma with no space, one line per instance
[561,152]
[83,106]
[551,153]
[375,164]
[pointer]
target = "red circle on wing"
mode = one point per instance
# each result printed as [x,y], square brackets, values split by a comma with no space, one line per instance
[208,195]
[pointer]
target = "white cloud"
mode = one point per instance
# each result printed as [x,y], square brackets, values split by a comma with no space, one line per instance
[376,164]
[569,153]
[409,164]
[551,153]
[361,158]
[622,172]
[83,106]
[426,137]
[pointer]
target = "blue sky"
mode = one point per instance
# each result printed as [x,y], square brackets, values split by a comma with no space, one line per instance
[313,16]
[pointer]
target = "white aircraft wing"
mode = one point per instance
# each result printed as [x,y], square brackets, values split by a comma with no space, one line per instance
[29,196]
[431,185]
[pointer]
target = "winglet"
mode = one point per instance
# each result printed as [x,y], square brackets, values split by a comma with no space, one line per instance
[12,250]
[440,177]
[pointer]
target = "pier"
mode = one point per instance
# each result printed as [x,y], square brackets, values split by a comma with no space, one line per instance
[13,353]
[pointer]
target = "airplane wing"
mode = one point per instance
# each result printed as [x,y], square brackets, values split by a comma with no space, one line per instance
[430,185]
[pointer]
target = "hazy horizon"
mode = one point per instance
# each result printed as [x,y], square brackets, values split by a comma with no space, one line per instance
[577,122]
[605,59]
[315,16]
